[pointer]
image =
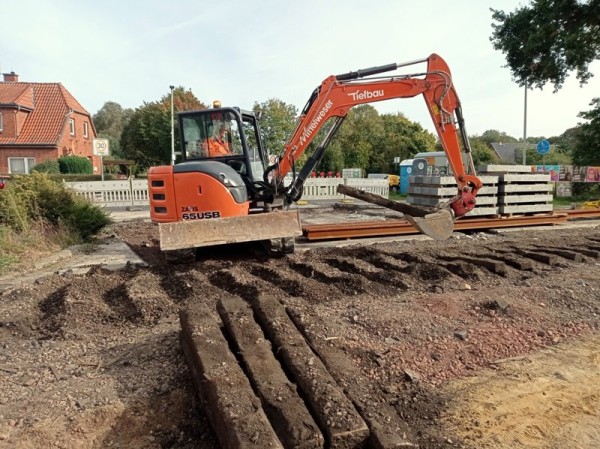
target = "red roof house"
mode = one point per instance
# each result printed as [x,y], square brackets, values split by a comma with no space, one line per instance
[41,121]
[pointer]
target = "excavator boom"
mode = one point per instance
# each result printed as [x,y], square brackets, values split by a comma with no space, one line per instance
[338,94]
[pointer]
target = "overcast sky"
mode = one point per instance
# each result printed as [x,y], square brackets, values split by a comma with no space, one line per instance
[242,52]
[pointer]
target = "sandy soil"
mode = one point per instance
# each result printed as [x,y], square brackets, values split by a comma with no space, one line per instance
[549,399]
[482,341]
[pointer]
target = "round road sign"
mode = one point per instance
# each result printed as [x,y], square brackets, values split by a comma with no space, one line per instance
[543,147]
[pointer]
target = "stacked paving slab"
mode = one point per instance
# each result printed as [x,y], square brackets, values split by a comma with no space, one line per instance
[519,190]
[507,190]
[432,190]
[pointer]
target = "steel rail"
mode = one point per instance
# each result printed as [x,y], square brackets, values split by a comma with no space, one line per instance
[582,213]
[402,227]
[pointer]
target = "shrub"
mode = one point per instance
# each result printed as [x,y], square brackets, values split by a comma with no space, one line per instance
[75,164]
[39,214]
[49,166]
[37,197]
[85,218]
[13,211]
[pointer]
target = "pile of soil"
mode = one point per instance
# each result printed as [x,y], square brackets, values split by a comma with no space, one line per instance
[444,331]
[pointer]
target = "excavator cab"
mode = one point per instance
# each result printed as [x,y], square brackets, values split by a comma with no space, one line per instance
[227,135]
[217,193]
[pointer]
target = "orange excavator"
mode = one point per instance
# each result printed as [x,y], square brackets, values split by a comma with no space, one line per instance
[233,194]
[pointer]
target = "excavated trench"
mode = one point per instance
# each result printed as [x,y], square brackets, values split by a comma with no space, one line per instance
[278,322]
[338,347]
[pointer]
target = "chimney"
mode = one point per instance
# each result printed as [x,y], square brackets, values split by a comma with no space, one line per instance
[11,77]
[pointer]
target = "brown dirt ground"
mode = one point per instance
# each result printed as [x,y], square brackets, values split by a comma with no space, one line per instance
[467,356]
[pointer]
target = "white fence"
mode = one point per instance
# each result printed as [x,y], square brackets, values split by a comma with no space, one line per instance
[134,192]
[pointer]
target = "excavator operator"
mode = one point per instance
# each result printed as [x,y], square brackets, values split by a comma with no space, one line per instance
[218,144]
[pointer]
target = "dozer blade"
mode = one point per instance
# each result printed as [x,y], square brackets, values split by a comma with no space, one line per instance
[438,225]
[220,231]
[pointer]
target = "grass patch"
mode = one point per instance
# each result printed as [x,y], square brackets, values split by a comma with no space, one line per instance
[396,196]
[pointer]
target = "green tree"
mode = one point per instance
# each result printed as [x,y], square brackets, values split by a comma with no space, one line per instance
[183,100]
[277,123]
[109,122]
[547,39]
[567,141]
[494,136]
[370,141]
[587,137]
[356,140]
[482,152]
[401,138]
[146,137]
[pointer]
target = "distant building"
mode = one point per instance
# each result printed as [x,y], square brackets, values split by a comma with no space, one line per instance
[511,153]
[41,121]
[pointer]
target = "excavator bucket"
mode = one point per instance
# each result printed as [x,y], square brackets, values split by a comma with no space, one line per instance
[438,225]
[220,231]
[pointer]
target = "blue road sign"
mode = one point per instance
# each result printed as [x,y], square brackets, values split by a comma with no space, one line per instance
[543,147]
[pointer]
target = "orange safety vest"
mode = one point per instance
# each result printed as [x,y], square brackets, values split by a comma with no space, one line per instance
[217,148]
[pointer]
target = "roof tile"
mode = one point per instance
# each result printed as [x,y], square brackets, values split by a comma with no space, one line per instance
[50,104]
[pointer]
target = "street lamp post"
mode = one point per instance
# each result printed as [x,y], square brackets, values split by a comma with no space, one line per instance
[525,127]
[172,129]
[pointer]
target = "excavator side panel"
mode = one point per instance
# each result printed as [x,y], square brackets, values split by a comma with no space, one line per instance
[193,195]
[219,231]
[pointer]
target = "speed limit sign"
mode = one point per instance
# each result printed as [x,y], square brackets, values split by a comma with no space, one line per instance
[101,147]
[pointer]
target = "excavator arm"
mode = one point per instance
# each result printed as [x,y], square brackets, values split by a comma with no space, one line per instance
[338,94]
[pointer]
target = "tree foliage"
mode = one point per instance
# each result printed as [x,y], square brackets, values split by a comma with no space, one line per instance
[494,136]
[277,123]
[371,142]
[366,139]
[482,151]
[109,122]
[546,40]
[586,150]
[402,138]
[146,137]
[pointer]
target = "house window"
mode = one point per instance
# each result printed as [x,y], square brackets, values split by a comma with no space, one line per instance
[72,126]
[20,165]
[85,129]
[0,121]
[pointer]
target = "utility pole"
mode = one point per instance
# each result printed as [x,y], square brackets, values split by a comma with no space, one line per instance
[172,129]
[525,127]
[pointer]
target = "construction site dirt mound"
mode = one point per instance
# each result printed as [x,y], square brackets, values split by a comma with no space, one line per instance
[487,340]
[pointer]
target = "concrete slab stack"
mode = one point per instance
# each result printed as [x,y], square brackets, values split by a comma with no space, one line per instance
[431,190]
[507,190]
[519,190]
